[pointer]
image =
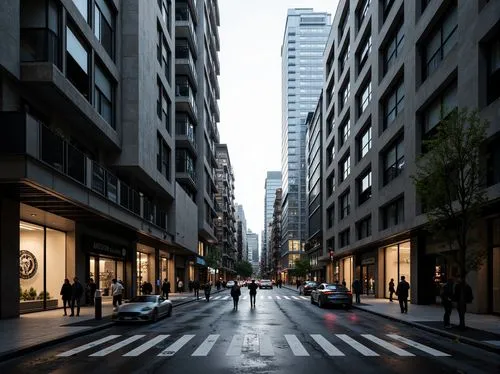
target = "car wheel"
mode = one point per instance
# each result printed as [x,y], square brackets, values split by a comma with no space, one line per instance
[320,303]
[154,317]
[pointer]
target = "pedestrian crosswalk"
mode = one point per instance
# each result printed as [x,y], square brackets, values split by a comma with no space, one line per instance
[263,297]
[334,345]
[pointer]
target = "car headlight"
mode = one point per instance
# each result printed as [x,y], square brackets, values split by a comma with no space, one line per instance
[146,309]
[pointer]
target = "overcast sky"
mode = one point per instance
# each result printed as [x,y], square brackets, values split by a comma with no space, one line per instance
[251,33]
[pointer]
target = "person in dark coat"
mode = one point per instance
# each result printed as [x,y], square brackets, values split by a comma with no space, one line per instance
[463,296]
[356,287]
[165,288]
[91,288]
[402,292]
[196,287]
[392,290]
[447,302]
[66,294]
[76,296]
[252,287]
[235,294]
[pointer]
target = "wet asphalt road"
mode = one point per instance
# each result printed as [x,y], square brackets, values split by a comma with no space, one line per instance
[280,335]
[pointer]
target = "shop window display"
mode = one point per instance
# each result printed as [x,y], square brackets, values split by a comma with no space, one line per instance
[397,264]
[347,271]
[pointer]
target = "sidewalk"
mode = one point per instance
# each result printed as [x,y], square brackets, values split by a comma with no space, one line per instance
[34,331]
[483,330]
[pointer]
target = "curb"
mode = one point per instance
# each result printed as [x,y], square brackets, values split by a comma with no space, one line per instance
[8,355]
[458,338]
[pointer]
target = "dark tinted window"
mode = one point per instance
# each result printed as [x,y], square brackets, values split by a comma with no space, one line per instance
[143,299]
[335,287]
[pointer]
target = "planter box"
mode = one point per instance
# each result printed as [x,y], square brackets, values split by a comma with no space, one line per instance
[36,305]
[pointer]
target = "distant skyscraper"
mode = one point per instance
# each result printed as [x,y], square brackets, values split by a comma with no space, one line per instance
[273,182]
[253,247]
[304,40]
[241,234]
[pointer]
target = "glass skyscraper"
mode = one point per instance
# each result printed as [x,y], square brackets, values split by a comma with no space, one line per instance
[273,181]
[304,40]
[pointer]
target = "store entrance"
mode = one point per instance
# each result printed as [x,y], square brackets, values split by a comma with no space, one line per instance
[368,276]
[103,270]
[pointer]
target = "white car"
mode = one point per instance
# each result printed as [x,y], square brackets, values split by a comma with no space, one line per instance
[143,308]
[265,283]
[230,284]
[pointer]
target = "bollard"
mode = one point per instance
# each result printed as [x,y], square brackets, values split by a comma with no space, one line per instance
[98,304]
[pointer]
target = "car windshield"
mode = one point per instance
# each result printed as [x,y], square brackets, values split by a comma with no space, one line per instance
[336,287]
[311,284]
[265,281]
[143,299]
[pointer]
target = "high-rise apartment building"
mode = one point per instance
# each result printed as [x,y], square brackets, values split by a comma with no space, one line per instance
[253,247]
[305,36]
[394,69]
[275,239]
[225,224]
[273,182]
[241,234]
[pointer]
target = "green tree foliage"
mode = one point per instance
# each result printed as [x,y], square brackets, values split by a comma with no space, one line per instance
[301,269]
[214,257]
[244,269]
[450,183]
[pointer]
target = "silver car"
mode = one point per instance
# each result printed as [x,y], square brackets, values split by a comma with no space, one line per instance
[143,308]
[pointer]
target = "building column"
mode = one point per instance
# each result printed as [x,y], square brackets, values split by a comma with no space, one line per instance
[9,258]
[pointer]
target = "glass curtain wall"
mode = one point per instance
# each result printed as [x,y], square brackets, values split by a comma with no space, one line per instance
[347,271]
[397,264]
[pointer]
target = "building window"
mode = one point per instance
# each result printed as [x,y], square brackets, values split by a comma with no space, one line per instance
[343,58]
[386,8]
[344,132]
[364,227]
[77,63]
[163,157]
[345,204]
[364,142]
[362,11]
[424,5]
[165,8]
[364,187]
[344,93]
[394,160]
[440,43]
[345,168]
[365,98]
[331,122]
[163,105]
[397,263]
[344,238]
[104,92]
[393,213]
[493,82]
[394,48]
[331,152]
[83,8]
[364,52]
[330,185]
[164,54]
[439,108]
[103,26]
[330,216]
[394,104]
[343,21]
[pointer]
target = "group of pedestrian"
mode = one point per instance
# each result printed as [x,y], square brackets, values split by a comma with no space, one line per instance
[460,293]
[236,293]
[71,296]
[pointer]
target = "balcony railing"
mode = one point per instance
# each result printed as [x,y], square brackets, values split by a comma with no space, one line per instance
[183,14]
[184,90]
[40,45]
[184,127]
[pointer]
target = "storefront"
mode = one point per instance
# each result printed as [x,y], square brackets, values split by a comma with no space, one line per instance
[347,271]
[494,267]
[397,263]
[42,266]
[145,261]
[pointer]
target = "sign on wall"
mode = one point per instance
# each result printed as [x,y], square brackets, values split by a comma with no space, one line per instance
[28,265]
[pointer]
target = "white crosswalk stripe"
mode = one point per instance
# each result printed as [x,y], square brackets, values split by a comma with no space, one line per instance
[205,347]
[296,346]
[326,345]
[270,297]
[278,297]
[295,298]
[365,351]
[261,297]
[387,345]
[143,348]
[117,346]
[235,346]
[88,346]
[424,348]
[304,297]
[286,297]
[216,297]
[244,297]
[173,348]
[266,347]
[226,298]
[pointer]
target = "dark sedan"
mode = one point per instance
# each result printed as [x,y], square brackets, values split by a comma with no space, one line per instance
[331,294]
[307,287]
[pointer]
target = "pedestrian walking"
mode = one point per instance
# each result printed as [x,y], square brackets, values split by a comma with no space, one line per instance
[447,302]
[180,286]
[463,296]
[356,288]
[92,287]
[392,290]
[402,292]
[116,292]
[252,287]
[66,293]
[207,289]
[344,283]
[235,294]
[196,287]
[165,288]
[190,285]
[76,296]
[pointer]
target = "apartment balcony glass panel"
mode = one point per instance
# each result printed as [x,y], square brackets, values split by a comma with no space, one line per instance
[40,45]
[184,24]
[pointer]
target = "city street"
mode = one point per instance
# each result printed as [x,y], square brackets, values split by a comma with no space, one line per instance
[284,333]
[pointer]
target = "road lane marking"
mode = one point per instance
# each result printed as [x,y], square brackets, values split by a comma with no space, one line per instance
[225,297]
[295,298]
[296,346]
[173,348]
[143,348]
[117,346]
[365,351]
[286,297]
[250,343]
[265,345]
[278,297]
[87,346]
[326,345]
[424,348]
[244,297]
[205,347]
[235,346]
[217,297]
[304,297]
[493,342]
[390,347]
[261,297]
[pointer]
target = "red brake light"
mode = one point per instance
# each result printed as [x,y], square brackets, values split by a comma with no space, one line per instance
[327,293]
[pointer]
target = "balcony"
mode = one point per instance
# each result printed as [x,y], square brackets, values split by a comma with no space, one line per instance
[40,45]
[184,62]
[185,136]
[185,25]
[185,172]
[185,99]
[28,137]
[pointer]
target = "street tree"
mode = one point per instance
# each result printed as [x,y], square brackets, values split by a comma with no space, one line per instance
[302,268]
[214,257]
[244,269]
[450,183]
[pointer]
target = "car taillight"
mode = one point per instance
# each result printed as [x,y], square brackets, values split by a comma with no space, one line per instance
[328,293]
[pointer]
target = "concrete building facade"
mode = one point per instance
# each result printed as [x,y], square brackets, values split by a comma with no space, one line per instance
[241,234]
[253,250]
[393,70]
[275,239]
[304,39]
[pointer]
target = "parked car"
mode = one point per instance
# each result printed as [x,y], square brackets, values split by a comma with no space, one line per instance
[230,284]
[143,308]
[307,287]
[265,283]
[331,294]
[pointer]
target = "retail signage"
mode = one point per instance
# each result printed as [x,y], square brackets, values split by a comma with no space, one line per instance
[107,249]
[28,265]
[368,261]
[201,261]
